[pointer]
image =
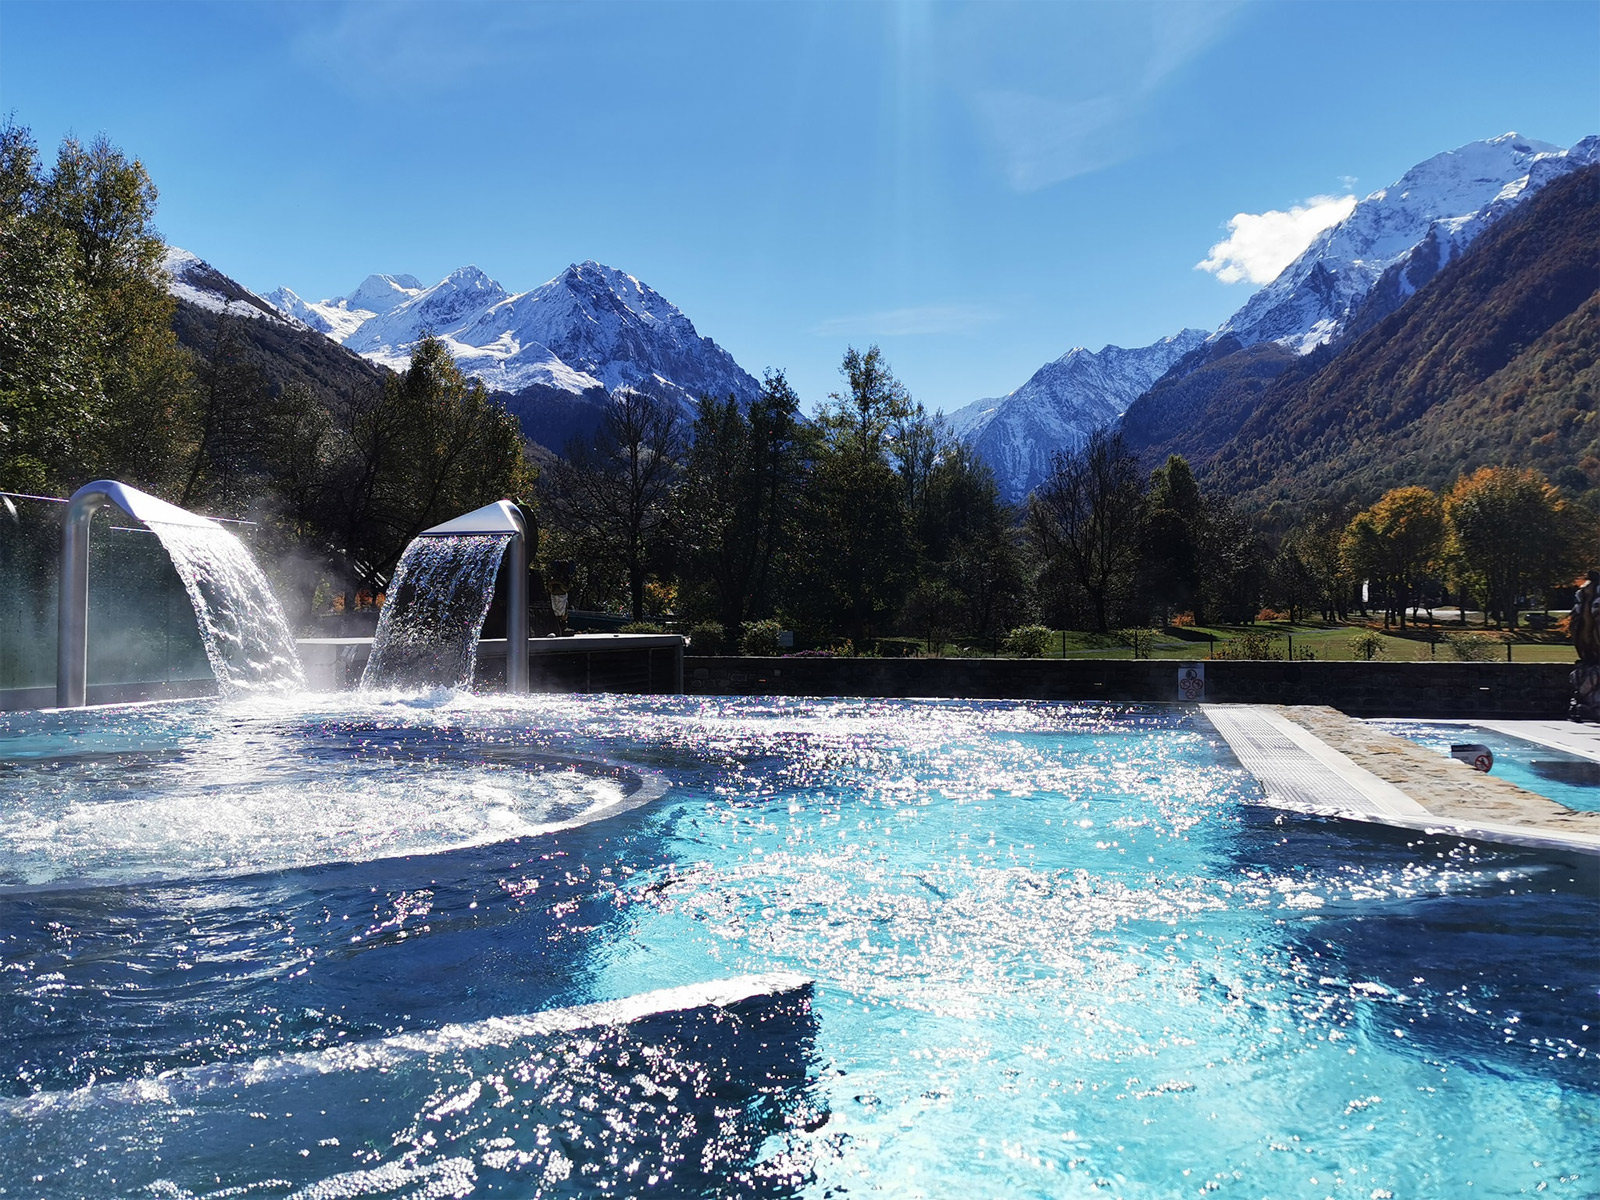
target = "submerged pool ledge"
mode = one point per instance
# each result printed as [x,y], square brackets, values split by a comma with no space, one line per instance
[714,998]
[1317,760]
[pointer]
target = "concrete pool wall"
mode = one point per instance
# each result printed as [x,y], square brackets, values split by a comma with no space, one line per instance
[1485,690]
[1463,690]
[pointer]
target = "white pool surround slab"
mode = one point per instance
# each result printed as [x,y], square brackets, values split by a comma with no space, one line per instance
[1318,760]
[1582,740]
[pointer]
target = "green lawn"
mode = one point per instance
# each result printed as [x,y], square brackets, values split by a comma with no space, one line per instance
[1309,640]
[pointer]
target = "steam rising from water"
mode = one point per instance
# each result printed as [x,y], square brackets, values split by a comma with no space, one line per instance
[246,636]
[429,629]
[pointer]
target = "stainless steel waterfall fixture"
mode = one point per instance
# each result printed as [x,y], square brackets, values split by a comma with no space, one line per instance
[72,610]
[503,517]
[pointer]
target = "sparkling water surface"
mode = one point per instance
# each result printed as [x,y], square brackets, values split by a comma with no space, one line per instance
[1057,951]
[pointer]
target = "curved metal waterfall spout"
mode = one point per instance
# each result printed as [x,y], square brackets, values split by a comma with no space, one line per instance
[503,517]
[72,609]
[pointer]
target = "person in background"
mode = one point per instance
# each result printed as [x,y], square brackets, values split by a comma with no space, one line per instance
[1586,640]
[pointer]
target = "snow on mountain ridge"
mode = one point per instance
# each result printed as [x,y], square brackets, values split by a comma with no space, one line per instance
[191,278]
[591,327]
[1441,203]
[444,309]
[1398,237]
[383,293]
[1061,404]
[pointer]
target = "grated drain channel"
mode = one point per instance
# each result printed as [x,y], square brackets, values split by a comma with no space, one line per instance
[1295,777]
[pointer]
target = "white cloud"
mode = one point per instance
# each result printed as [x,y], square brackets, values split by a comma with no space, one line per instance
[908,322]
[1260,245]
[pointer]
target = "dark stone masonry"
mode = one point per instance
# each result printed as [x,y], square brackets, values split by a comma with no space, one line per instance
[1447,689]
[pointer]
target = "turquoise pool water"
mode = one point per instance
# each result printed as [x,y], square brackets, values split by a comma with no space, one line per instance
[1565,778]
[1056,951]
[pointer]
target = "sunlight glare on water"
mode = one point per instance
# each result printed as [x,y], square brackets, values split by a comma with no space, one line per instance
[1057,951]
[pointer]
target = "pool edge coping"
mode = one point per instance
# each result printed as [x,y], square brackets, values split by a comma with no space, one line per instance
[1381,792]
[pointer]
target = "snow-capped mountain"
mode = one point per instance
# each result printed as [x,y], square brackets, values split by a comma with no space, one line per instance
[1061,405]
[193,279]
[1391,244]
[1413,227]
[592,327]
[343,315]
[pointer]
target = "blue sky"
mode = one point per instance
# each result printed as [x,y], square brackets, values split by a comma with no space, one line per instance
[975,187]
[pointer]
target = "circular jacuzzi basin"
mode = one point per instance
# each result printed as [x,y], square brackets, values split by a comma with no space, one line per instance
[178,791]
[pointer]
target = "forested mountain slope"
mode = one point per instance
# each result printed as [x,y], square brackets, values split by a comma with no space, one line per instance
[222,321]
[1492,362]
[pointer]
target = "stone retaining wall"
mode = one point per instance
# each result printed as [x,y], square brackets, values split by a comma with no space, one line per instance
[1432,689]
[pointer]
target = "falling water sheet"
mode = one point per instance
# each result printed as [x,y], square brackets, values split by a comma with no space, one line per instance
[433,616]
[246,635]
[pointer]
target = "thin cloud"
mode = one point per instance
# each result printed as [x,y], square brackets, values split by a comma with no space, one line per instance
[407,47]
[1260,245]
[1044,140]
[909,322]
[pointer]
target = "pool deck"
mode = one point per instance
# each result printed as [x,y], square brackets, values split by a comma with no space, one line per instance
[1582,740]
[1318,760]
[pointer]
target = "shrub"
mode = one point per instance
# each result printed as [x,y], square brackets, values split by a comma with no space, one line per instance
[899,647]
[1183,620]
[1469,647]
[1366,645]
[1253,643]
[706,637]
[1140,641]
[642,627]
[1272,614]
[1028,641]
[760,639]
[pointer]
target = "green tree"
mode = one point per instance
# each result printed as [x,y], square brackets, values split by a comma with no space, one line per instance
[1170,539]
[860,553]
[92,381]
[969,544]
[1513,532]
[1084,520]
[104,203]
[612,494]
[735,502]
[430,445]
[1316,542]
[233,427]
[1235,562]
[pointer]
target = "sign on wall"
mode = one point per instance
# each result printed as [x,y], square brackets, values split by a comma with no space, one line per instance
[1192,683]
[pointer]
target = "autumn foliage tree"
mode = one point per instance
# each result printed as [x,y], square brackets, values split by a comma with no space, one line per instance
[1396,542]
[1512,531]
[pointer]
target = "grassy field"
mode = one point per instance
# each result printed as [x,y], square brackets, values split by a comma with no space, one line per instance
[1309,640]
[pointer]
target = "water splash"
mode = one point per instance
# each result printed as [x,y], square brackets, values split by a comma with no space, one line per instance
[429,629]
[246,635]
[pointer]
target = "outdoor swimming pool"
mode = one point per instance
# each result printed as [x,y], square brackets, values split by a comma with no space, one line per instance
[1057,950]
